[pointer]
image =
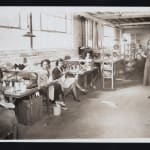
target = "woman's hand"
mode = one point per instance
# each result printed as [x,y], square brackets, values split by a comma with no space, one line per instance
[52,82]
[143,55]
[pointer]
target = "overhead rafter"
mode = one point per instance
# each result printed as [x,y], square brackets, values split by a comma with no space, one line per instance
[135,23]
[86,15]
[120,19]
[123,15]
[135,27]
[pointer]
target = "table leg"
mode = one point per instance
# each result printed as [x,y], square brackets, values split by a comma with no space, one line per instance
[99,79]
[10,99]
[48,102]
[85,81]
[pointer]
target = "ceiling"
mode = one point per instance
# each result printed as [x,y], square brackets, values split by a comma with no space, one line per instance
[124,19]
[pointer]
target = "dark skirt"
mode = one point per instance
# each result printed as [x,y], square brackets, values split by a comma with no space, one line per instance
[146,79]
[57,91]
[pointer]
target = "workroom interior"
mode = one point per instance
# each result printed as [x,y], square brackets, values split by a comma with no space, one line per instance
[74,73]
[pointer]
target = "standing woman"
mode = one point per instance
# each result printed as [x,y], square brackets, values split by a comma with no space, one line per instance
[146,79]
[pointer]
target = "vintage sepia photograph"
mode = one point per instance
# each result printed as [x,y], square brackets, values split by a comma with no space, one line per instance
[74,73]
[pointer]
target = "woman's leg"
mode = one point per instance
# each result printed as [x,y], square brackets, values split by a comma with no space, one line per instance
[59,95]
[75,93]
[94,78]
[79,87]
[145,74]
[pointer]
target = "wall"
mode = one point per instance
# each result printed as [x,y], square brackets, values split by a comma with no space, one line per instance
[111,36]
[50,45]
[140,34]
[77,33]
[101,24]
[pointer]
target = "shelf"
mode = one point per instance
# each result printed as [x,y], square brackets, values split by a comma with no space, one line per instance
[107,69]
[108,77]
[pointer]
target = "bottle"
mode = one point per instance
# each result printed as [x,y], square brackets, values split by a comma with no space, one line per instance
[10,84]
[4,84]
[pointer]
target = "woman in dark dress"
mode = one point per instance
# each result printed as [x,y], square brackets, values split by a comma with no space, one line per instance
[146,79]
[68,82]
[140,63]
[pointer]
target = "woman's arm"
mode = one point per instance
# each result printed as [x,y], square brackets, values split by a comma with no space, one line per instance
[143,54]
[52,82]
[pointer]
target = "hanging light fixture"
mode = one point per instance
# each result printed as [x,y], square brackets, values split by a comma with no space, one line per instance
[30,32]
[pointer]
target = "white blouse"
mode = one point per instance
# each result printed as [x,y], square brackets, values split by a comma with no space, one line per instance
[44,77]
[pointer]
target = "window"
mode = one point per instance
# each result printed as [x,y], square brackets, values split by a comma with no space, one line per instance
[91,34]
[109,36]
[53,23]
[9,20]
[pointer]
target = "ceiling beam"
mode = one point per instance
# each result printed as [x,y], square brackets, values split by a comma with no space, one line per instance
[135,23]
[88,16]
[104,22]
[123,15]
[135,27]
[142,19]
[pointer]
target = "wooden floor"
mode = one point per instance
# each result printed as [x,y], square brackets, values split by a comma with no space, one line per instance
[123,113]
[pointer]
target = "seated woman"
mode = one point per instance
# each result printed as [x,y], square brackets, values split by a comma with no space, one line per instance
[67,81]
[130,66]
[8,120]
[45,81]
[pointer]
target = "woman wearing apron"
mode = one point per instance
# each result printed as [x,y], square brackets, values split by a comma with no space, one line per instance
[55,92]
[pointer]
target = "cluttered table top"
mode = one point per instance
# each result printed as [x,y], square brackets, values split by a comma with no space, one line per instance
[101,61]
[95,60]
[19,93]
[82,72]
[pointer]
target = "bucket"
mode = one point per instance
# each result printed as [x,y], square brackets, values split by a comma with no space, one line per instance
[57,110]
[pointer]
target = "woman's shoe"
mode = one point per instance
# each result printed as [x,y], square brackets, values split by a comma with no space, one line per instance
[53,102]
[7,105]
[61,103]
[84,91]
[64,108]
[76,99]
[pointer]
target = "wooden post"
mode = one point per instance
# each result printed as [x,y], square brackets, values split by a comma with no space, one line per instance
[31,38]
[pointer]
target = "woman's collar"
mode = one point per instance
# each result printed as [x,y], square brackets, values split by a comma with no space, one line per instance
[60,69]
